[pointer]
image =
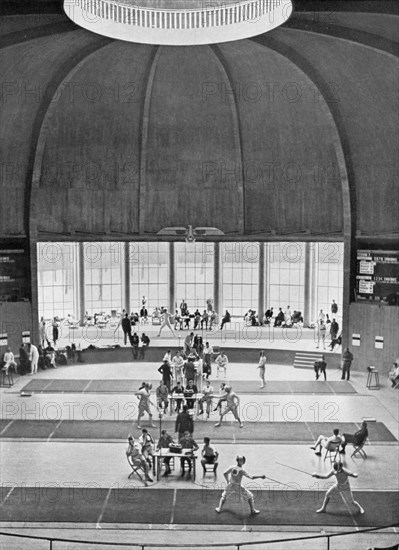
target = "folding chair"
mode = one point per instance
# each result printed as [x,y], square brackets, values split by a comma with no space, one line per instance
[136,468]
[358,449]
[332,452]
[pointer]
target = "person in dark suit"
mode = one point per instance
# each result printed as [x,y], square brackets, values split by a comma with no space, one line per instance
[127,328]
[347,359]
[357,438]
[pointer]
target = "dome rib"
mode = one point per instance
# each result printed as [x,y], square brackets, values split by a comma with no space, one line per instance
[41,125]
[223,66]
[144,123]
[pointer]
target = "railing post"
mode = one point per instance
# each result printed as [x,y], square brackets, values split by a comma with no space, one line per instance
[51,544]
[328,542]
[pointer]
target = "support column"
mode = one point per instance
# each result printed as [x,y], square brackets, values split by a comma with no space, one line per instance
[307,287]
[216,279]
[126,265]
[261,282]
[172,277]
[81,279]
[314,259]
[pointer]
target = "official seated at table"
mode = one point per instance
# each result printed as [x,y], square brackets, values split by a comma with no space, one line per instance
[207,392]
[209,455]
[190,390]
[178,390]
[162,394]
[164,441]
[189,445]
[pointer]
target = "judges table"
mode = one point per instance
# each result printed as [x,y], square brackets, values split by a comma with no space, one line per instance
[173,397]
[164,453]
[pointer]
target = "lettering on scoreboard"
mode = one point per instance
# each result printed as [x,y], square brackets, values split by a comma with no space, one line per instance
[14,273]
[377,276]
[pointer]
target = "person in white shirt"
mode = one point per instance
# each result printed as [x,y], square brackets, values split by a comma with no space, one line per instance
[261,367]
[167,319]
[287,316]
[168,358]
[207,391]
[9,360]
[232,404]
[144,395]
[178,364]
[33,358]
[222,362]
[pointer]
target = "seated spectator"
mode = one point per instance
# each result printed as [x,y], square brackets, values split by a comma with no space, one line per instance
[162,394]
[197,319]
[213,319]
[9,360]
[178,320]
[297,317]
[326,442]
[357,438]
[190,390]
[188,444]
[279,319]
[164,441]
[204,319]
[336,342]
[226,319]
[187,319]
[136,456]
[268,315]
[209,455]
[394,374]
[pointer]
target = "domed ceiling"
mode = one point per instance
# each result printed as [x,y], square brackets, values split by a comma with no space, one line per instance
[290,133]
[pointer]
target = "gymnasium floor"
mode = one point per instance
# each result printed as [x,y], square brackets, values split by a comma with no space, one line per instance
[64,470]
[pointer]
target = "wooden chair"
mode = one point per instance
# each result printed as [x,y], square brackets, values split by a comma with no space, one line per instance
[332,452]
[358,449]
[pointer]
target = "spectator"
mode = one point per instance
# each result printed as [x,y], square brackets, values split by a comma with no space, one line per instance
[184,423]
[166,371]
[188,342]
[55,331]
[127,328]
[197,319]
[33,358]
[183,308]
[279,319]
[347,359]
[321,334]
[326,442]
[222,362]
[357,438]
[204,319]
[9,360]
[334,308]
[189,370]
[320,368]
[42,331]
[208,353]
[178,320]
[394,374]
[334,328]
[177,365]
[262,368]
[209,455]
[207,391]
[162,394]
[134,342]
[226,319]
[268,315]
[24,363]
[145,342]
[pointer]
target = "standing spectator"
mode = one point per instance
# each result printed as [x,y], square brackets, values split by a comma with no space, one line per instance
[24,363]
[42,332]
[127,328]
[187,343]
[168,357]
[178,320]
[334,328]
[33,358]
[162,394]
[208,353]
[322,316]
[209,305]
[320,368]
[189,370]
[183,308]
[334,308]
[321,333]
[166,371]
[145,342]
[178,364]
[262,367]
[134,341]
[55,331]
[184,423]
[178,390]
[226,319]
[287,316]
[347,359]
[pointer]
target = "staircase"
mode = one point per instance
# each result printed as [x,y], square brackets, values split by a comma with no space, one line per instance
[306,359]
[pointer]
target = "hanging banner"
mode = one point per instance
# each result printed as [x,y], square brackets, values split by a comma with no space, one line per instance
[26,337]
[379,342]
[356,340]
[3,339]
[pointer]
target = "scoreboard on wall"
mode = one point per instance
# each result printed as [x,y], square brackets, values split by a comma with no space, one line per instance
[377,276]
[14,273]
